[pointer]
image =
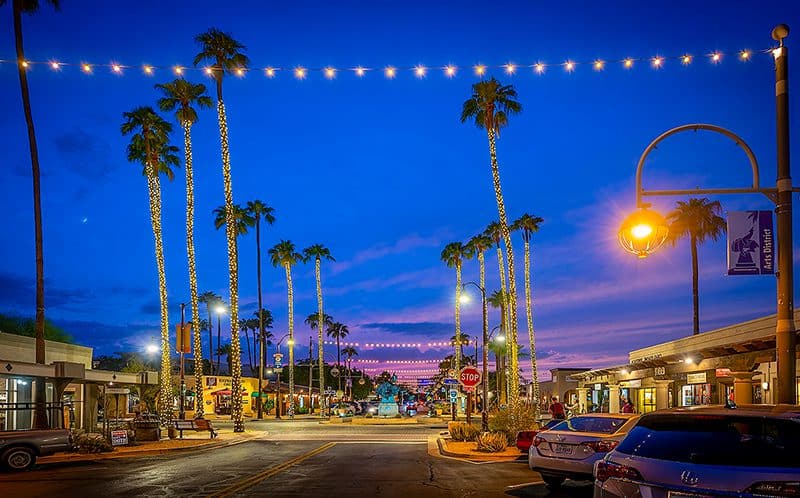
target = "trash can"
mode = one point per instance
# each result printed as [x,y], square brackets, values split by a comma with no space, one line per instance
[147,427]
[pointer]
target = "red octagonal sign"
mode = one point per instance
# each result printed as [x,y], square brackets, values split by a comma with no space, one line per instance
[469,377]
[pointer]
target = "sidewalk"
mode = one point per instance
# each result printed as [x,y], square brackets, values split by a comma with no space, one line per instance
[190,441]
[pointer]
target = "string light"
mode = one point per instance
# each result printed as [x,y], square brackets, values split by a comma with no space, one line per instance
[300,73]
[86,68]
[598,65]
[538,67]
[686,59]
[330,73]
[148,70]
[360,71]
[390,72]
[55,65]
[716,57]
[628,63]
[178,70]
[480,70]
[657,61]
[270,72]
[745,55]
[420,71]
[569,66]
[239,72]
[449,71]
[208,71]
[510,68]
[116,68]
[24,64]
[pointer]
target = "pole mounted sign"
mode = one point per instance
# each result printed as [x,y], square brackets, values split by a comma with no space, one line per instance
[469,377]
[751,243]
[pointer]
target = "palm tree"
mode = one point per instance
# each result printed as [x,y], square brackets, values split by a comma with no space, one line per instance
[490,106]
[210,299]
[183,95]
[338,331]
[19,7]
[265,320]
[478,245]
[349,352]
[244,326]
[240,217]
[225,55]
[150,146]
[454,255]
[227,351]
[699,220]
[284,254]
[495,233]
[528,224]
[318,252]
[257,209]
[498,300]
[312,320]
[458,343]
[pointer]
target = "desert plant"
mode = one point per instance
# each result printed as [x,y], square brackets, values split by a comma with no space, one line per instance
[462,431]
[516,417]
[491,442]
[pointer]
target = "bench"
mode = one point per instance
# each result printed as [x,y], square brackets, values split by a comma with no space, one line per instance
[196,425]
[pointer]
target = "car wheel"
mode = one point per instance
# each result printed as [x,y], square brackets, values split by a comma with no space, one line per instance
[19,458]
[553,482]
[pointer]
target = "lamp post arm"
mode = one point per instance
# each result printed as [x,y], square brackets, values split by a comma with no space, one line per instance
[756,188]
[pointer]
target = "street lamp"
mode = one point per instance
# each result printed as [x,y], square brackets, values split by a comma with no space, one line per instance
[220,310]
[500,365]
[485,354]
[290,342]
[644,232]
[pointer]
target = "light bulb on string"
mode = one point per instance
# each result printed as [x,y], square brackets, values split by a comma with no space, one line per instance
[598,65]
[628,63]
[569,66]
[179,70]
[539,68]
[55,66]
[450,71]
[480,69]
[419,71]
[657,61]
[239,72]
[360,71]
[300,73]
[686,59]
[390,72]
[116,68]
[716,57]
[270,72]
[208,71]
[510,68]
[745,55]
[24,64]
[148,70]
[86,68]
[330,72]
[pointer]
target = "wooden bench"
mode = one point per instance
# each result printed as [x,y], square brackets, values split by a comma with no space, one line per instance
[196,425]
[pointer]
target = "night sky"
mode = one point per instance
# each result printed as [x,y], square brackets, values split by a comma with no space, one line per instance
[382,171]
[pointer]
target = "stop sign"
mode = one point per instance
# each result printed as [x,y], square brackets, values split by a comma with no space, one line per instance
[469,377]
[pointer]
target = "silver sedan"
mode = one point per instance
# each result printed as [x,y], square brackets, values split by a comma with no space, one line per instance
[570,449]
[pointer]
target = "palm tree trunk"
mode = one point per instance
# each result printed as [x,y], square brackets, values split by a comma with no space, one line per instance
[219,342]
[512,281]
[529,315]
[210,338]
[249,351]
[339,361]
[291,338]
[165,387]
[40,413]
[458,317]
[320,348]
[259,400]
[197,340]
[233,266]
[695,293]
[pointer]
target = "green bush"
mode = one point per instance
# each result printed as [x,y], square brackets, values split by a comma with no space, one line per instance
[301,410]
[492,442]
[91,443]
[512,419]
[461,431]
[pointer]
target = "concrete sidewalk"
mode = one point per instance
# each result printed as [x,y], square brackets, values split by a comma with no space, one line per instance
[190,441]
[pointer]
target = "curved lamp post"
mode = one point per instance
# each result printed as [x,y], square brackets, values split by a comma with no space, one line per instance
[290,342]
[643,232]
[485,354]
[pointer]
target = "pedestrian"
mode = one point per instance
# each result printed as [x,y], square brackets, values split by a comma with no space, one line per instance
[627,406]
[557,409]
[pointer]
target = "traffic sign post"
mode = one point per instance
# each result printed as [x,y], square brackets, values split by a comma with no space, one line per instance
[469,377]
[453,395]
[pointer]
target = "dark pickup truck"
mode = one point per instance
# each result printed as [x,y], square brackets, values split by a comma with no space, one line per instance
[19,449]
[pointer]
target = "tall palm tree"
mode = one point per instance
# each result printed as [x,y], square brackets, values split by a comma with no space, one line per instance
[338,331]
[349,352]
[18,7]
[244,326]
[495,233]
[210,299]
[226,351]
[241,219]
[318,252]
[453,256]
[226,56]
[265,322]
[458,344]
[528,224]
[183,95]
[489,107]
[150,147]
[498,300]
[285,255]
[698,220]
[257,210]
[478,245]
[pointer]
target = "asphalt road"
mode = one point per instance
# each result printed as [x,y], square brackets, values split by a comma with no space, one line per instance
[307,459]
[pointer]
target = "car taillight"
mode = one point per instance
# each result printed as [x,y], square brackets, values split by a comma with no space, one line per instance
[538,440]
[604,470]
[526,435]
[775,488]
[601,446]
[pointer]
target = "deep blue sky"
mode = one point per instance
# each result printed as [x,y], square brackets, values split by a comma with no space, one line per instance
[383,173]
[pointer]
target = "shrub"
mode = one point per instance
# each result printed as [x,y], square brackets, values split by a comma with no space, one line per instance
[512,419]
[368,415]
[492,442]
[91,443]
[301,410]
[461,431]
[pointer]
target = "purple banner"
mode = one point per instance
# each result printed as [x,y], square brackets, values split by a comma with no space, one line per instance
[751,243]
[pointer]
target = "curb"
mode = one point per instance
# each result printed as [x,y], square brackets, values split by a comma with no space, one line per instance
[92,457]
[440,441]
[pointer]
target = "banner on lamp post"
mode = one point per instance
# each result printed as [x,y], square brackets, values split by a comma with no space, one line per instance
[751,243]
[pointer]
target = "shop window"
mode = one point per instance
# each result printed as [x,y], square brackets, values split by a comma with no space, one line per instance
[696,394]
[647,400]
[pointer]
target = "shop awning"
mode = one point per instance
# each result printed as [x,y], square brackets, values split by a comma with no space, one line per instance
[254,394]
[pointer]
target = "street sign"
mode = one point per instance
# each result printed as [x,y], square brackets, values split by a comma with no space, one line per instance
[119,438]
[278,357]
[751,243]
[117,390]
[449,381]
[329,392]
[183,338]
[335,372]
[453,395]
[469,377]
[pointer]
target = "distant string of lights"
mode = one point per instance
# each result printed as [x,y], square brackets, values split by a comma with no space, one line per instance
[393,345]
[391,72]
[401,362]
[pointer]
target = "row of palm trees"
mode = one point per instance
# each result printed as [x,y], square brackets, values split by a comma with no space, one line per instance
[454,255]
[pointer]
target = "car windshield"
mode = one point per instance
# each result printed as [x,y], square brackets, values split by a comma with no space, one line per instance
[716,440]
[603,425]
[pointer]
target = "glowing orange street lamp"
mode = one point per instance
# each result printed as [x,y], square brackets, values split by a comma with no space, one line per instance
[643,232]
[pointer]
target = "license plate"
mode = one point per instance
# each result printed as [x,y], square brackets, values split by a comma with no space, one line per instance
[562,449]
[673,494]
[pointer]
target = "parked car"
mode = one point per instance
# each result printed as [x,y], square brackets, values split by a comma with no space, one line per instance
[747,451]
[19,449]
[525,438]
[570,449]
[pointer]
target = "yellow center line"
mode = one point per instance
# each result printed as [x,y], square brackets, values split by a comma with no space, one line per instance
[253,480]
